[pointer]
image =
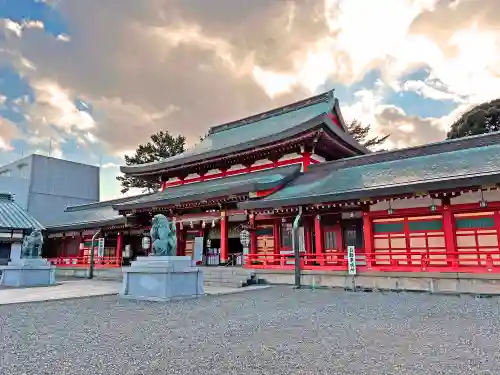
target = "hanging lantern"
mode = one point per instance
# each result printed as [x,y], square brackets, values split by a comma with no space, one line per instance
[146,242]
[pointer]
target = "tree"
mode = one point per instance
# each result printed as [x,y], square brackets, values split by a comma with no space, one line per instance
[360,133]
[484,118]
[162,145]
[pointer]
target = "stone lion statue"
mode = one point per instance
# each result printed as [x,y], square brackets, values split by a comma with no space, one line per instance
[32,244]
[163,236]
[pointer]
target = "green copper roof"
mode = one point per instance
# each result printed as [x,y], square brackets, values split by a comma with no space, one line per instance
[12,216]
[87,216]
[255,131]
[460,168]
[239,184]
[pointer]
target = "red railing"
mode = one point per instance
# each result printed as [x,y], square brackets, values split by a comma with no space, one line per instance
[438,261]
[99,262]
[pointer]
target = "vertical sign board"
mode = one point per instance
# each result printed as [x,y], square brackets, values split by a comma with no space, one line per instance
[245,241]
[100,247]
[351,260]
[198,250]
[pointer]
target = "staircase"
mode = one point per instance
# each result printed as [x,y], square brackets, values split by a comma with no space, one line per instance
[229,277]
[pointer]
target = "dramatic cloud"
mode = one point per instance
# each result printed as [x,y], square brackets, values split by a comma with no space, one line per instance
[8,132]
[183,65]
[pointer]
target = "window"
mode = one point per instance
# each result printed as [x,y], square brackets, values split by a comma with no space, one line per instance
[475,223]
[330,239]
[286,235]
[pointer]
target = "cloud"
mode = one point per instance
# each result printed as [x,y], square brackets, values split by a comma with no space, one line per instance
[8,132]
[183,65]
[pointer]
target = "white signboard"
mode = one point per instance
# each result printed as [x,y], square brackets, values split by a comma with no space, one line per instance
[198,250]
[351,260]
[100,247]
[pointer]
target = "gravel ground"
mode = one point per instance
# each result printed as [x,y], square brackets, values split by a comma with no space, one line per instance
[272,331]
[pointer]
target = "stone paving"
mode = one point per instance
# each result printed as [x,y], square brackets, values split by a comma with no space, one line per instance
[73,288]
[273,331]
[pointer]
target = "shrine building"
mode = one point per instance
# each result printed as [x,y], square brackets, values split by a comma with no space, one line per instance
[432,208]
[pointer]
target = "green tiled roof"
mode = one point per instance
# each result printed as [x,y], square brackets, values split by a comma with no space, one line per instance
[239,184]
[87,216]
[460,168]
[12,216]
[255,131]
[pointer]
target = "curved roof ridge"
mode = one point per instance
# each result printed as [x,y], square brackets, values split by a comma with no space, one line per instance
[101,204]
[445,146]
[323,97]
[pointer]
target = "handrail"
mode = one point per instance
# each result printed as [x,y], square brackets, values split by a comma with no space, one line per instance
[404,261]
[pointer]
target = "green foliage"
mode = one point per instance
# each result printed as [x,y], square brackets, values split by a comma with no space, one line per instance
[360,134]
[162,145]
[484,118]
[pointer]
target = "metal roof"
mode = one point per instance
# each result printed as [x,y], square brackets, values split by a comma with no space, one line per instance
[328,183]
[89,216]
[259,130]
[239,184]
[12,216]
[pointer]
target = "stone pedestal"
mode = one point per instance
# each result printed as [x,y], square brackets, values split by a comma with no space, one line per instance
[27,272]
[162,278]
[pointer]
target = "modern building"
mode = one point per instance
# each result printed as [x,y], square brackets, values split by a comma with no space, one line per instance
[15,222]
[45,186]
[433,208]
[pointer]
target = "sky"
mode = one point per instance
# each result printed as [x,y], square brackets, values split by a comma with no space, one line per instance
[89,80]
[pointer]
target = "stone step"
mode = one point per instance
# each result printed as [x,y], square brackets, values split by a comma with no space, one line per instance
[225,280]
[226,284]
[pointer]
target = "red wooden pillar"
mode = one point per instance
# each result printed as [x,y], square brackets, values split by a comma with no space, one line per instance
[318,239]
[119,249]
[224,240]
[178,235]
[308,240]
[277,239]
[450,239]
[306,161]
[368,239]
[253,235]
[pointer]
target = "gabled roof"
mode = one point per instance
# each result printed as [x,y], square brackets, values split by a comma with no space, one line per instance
[92,215]
[258,130]
[12,216]
[234,185]
[444,165]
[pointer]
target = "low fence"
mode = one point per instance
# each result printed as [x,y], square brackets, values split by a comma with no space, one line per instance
[84,261]
[463,261]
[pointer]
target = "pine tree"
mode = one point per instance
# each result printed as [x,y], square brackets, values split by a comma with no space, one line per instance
[162,145]
[360,133]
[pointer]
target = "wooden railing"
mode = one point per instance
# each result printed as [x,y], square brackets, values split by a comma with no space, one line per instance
[84,261]
[437,261]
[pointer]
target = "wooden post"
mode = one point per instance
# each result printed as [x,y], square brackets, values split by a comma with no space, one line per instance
[318,239]
[119,250]
[306,161]
[368,238]
[224,240]
[178,234]
[277,240]
[253,235]
[450,239]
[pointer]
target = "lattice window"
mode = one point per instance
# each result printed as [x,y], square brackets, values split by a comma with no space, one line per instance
[477,237]
[404,241]
[265,240]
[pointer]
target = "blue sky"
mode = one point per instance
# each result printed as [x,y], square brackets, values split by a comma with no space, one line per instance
[89,80]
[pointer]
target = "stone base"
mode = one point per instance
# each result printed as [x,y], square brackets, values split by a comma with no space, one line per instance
[28,272]
[162,278]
